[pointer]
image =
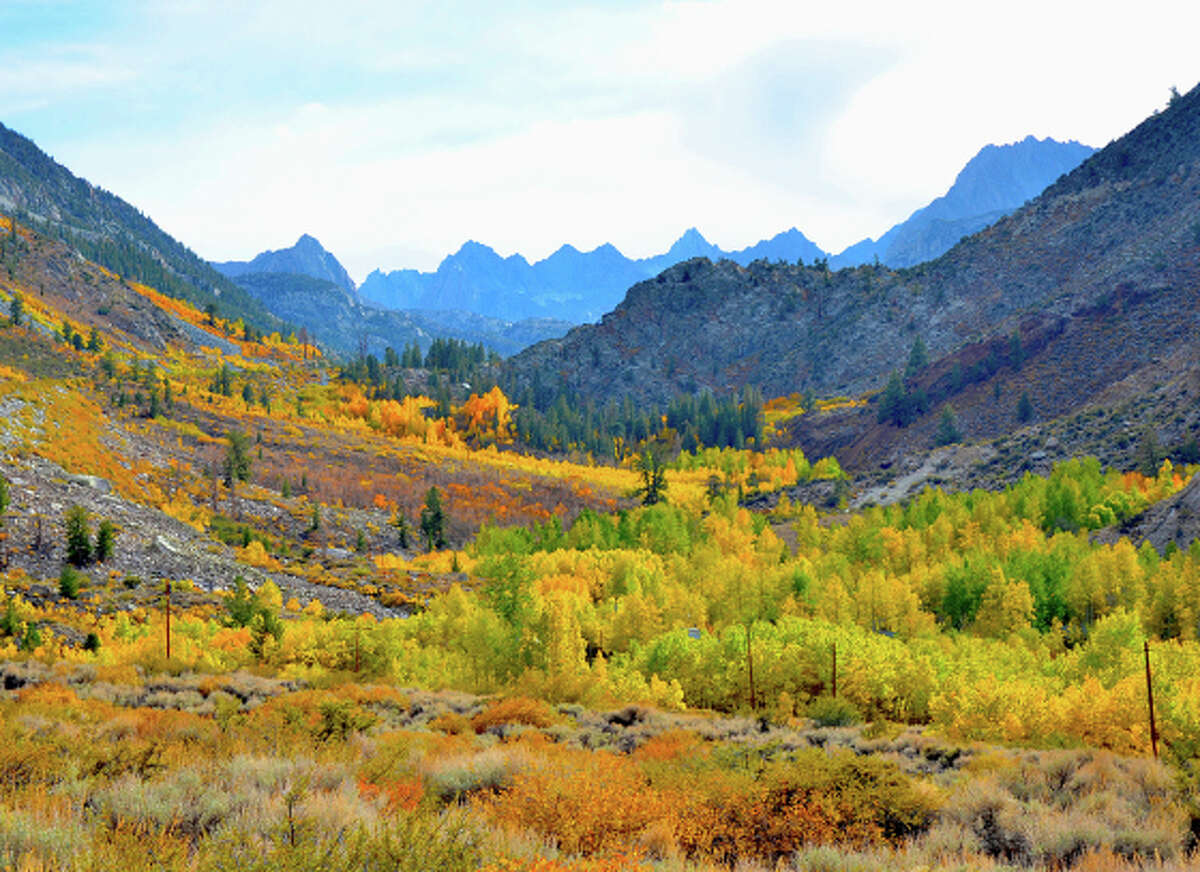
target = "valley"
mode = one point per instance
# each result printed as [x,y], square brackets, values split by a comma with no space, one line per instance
[774,566]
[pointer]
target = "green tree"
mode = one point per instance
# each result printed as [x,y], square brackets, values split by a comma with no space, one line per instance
[105,535]
[240,607]
[68,583]
[95,343]
[16,309]
[402,528]
[947,431]
[79,537]
[918,358]
[237,457]
[650,467]
[1149,455]
[1024,408]
[433,520]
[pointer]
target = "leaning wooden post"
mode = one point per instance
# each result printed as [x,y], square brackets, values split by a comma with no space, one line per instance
[168,619]
[1150,701]
[833,651]
[750,670]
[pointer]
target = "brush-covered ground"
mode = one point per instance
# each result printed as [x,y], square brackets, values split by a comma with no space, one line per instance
[397,641]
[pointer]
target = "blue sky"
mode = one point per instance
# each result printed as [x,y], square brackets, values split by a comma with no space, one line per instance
[395,131]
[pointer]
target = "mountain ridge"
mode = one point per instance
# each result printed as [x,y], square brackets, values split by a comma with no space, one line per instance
[1096,275]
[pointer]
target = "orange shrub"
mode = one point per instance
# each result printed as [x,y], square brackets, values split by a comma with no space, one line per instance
[516,710]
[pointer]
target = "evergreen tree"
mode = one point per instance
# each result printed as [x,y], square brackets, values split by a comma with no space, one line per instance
[947,431]
[237,458]
[918,358]
[79,537]
[1024,408]
[650,466]
[433,520]
[16,309]
[105,534]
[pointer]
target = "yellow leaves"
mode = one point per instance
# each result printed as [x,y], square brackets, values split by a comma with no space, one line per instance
[1006,607]
[255,554]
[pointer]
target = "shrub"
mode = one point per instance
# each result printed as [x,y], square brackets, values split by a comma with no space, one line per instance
[516,710]
[828,711]
[69,582]
[454,778]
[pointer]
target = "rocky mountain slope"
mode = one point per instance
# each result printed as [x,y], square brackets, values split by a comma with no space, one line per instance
[1095,279]
[109,231]
[992,184]
[307,257]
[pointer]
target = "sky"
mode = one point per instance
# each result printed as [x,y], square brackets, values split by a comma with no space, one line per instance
[395,131]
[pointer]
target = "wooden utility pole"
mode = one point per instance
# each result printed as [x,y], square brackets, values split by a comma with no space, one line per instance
[1150,701]
[833,650]
[168,619]
[750,670]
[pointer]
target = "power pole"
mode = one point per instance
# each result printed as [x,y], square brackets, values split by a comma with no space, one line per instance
[1150,701]
[168,619]
[750,670]
[833,649]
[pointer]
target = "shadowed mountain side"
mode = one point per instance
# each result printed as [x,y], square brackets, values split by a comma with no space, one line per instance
[46,196]
[1116,236]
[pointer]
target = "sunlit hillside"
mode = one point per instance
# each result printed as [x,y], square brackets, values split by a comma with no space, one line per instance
[263,609]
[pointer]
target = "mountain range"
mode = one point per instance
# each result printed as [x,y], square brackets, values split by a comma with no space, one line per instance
[482,291]
[570,284]
[580,286]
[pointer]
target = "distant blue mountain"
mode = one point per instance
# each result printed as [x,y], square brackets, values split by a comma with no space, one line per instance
[569,284]
[580,286]
[307,258]
[997,181]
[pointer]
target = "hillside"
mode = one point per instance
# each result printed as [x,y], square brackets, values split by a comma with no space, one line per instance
[1096,277]
[106,229]
[260,611]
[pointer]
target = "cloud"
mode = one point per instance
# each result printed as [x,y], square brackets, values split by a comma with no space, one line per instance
[396,131]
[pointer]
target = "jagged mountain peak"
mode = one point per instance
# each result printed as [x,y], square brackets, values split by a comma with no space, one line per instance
[307,257]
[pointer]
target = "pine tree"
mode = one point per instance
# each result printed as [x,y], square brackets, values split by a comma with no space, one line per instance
[433,520]
[79,537]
